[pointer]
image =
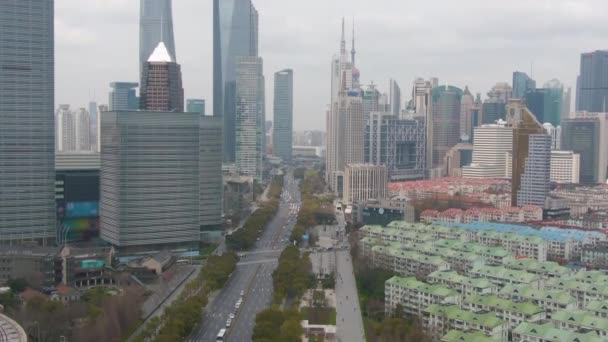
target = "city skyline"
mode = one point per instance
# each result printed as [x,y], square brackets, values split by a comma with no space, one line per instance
[479,54]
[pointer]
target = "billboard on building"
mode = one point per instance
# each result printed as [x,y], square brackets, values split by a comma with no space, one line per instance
[82,209]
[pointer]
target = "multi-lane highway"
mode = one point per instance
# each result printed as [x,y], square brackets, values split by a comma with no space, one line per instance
[252,279]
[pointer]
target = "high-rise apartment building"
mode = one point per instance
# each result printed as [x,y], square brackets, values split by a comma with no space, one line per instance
[27,139]
[395,98]
[250,116]
[123,96]
[83,130]
[587,135]
[161,83]
[446,121]
[592,83]
[65,129]
[491,143]
[565,167]
[363,182]
[195,106]
[397,144]
[94,128]
[283,114]
[535,180]
[521,84]
[531,157]
[150,180]
[155,26]
[235,34]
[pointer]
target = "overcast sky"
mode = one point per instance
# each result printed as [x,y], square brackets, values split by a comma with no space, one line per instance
[466,42]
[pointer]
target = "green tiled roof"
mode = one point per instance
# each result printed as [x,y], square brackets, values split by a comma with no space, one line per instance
[461,336]
[593,277]
[526,308]
[581,318]
[505,273]
[398,253]
[453,276]
[414,284]
[548,332]
[598,306]
[536,266]
[575,285]
[556,296]
[488,320]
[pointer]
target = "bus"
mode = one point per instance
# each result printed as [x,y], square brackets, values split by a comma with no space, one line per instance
[220,335]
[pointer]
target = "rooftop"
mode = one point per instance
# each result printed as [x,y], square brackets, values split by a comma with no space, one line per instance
[453,312]
[160,54]
[461,336]
[524,291]
[492,301]
[581,318]
[412,283]
[548,332]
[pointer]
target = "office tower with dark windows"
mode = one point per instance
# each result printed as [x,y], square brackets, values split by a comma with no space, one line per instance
[150,180]
[371,100]
[396,143]
[211,185]
[161,83]
[195,106]
[123,96]
[492,110]
[155,25]
[592,83]
[522,83]
[235,34]
[584,136]
[546,104]
[283,114]
[466,105]
[250,116]
[27,124]
[446,121]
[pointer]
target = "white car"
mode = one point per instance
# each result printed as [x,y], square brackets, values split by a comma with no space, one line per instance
[242,293]
[228,323]
[231,316]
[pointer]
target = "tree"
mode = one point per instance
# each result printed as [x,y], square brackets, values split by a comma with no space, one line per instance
[17,285]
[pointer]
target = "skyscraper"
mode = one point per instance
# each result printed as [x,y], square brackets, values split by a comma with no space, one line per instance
[395,98]
[150,180]
[123,97]
[161,83]
[250,116]
[531,157]
[283,114]
[235,34]
[195,106]
[155,25]
[466,105]
[521,84]
[83,130]
[546,104]
[371,100]
[587,137]
[492,110]
[27,139]
[94,128]
[492,142]
[65,130]
[423,109]
[446,120]
[211,185]
[592,84]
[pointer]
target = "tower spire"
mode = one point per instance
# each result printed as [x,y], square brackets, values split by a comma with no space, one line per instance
[343,41]
[352,51]
[162,22]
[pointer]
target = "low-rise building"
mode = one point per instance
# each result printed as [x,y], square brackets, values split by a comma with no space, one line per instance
[503,276]
[598,308]
[414,295]
[547,269]
[461,336]
[505,309]
[439,319]
[583,292]
[466,286]
[546,332]
[407,263]
[22,262]
[577,320]
[595,254]
[550,300]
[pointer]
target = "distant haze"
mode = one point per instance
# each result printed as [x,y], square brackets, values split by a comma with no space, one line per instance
[467,42]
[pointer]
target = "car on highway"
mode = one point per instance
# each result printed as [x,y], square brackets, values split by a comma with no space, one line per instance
[231,316]
[242,293]
[228,323]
